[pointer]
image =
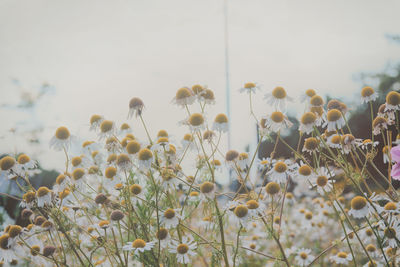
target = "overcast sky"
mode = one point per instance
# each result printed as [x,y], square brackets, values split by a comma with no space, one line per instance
[99,54]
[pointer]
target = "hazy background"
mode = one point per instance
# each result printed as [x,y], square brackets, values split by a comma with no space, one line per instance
[96,55]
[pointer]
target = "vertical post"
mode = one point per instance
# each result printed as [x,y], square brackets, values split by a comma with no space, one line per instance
[227,84]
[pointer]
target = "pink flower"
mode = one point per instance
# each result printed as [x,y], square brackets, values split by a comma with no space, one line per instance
[395,153]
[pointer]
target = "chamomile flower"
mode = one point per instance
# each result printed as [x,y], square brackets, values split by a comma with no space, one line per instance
[365,144]
[255,207]
[359,207]
[249,88]
[184,96]
[316,101]
[304,257]
[207,96]
[107,129]
[25,163]
[304,172]
[139,246]
[392,101]
[124,129]
[379,124]
[137,192]
[334,141]
[342,258]
[163,237]
[207,190]
[8,167]
[196,122]
[123,162]
[170,218]
[241,214]
[373,264]
[311,144]
[136,106]
[61,139]
[387,114]
[307,122]
[277,98]
[221,123]
[183,249]
[279,173]
[348,143]
[392,208]
[188,141]
[335,120]
[277,121]
[44,196]
[263,164]
[323,181]
[95,122]
[391,233]
[368,94]
[306,96]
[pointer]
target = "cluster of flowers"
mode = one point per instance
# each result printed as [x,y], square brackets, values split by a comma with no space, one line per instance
[122,201]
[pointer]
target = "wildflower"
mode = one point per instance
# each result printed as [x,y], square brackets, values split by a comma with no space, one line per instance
[272,188]
[335,120]
[368,143]
[221,123]
[241,214]
[392,101]
[61,140]
[323,182]
[107,129]
[184,96]
[359,207]
[336,104]
[348,143]
[43,195]
[379,124]
[207,190]
[8,166]
[95,122]
[124,162]
[255,207]
[310,144]
[163,237]
[307,122]
[196,121]
[316,101]
[277,98]
[48,250]
[207,96]
[170,218]
[388,114]
[183,249]
[391,233]
[145,158]
[198,89]
[334,141]
[249,88]
[187,140]
[277,121]
[117,215]
[373,264]
[385,154]
[279,172]
[132,147]
[306,96]
[395,155]
[25,162]
[136,106]
[139,245]
[262,164]
[304,172]
[341,258]
[368,94]
[137,192]
[304,257]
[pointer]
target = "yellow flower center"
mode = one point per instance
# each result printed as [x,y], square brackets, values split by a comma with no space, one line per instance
[367,91]
[277,116]
[169,213]
[206,187]
[333,115]
[308,118]
[241,211]
[62,133]
[182,248]
[358,202]
[196,119]
[139,243]
[279,92]
[272,188]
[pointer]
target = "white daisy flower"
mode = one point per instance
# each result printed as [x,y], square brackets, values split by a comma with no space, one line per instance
[136,106]
[303,256]
[249,88]
[139,246]
[184,96]
[341,258]
[207,190]
[359,207]
[368,94]
[392,101]
[61,139]
[277,121]
[307,122]
[44,196]
[379,124]
[145,158]
[306,96]
[170,218]
[335,120]
[280,171]
[221,123]
[95,122]
[278,98]
[107,129]
[183,249]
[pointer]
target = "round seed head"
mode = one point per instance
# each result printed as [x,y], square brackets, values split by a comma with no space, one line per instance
[110,172]
[272,188]
[111,158]
[169,213]
[135,189]
[379,122]
[4,241]
[311,143]
[47,224]
[310,92]
[241,211]
[196,119]
[308,118]
[249,85]
[231,155]
[42,191]
[305,170]
[322,180]
[342,255]
[78,173]
[252,204]
[183,93]
[208,135]
[390,206]
[106,126]
[26,214]
[35,250]
[133,147]
[333,115]
[139,243]
[197,89]
[28,197]
[316,101]
[145,154]
[188,137]
[390,232]
[39,220]
[95,119]
[117,215]
[221,118]
[75,161]
[208,95]
[334,104]
[48,250]
[100,199]
[370,248]
[279,92]
[162,234]
[162,133]
[123,159]
[358,202]
[14,230]
[7,163]
[206,187]
[62,133]
[194,194]
[393,98]
[303,255]
[136,103]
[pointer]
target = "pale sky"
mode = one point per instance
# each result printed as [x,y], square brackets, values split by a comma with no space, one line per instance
[99,54]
